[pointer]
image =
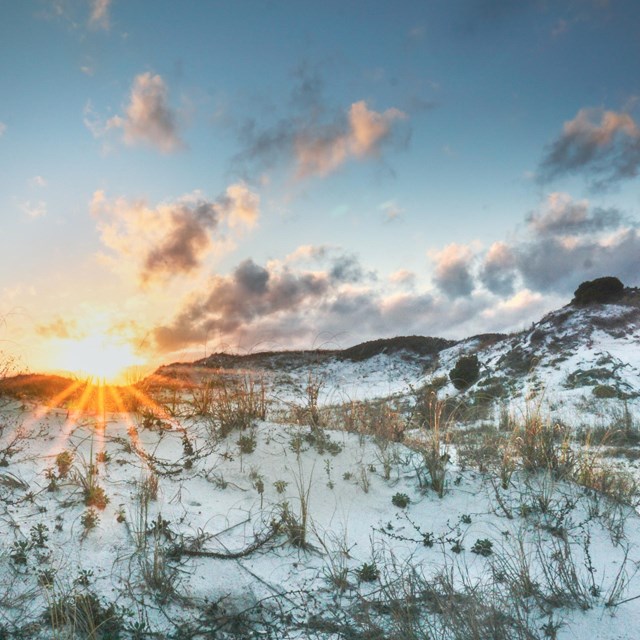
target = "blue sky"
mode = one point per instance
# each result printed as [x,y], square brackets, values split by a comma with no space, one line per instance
[182,177]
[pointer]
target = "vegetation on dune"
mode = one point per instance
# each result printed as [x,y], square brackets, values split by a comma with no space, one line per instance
[601,290]
[465,372]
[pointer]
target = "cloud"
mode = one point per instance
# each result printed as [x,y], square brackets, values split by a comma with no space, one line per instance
[322,152]
[567,241]
[37,181]
[3,128]
[233,302]
[314,140]
[497,272]
[99,17]
[148,119]
[452,273]
[603,145]
[59,328]
[561,215]
[403,277]
[34,209]
[289,306]
[558,265]
[171,238]
[392,212]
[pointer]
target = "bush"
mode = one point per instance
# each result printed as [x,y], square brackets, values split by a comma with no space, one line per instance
[604,391]
[600,290]
[400,500]
[368,572]
[465,373]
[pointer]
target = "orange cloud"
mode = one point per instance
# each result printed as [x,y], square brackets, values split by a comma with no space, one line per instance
[149,119]
[366,131]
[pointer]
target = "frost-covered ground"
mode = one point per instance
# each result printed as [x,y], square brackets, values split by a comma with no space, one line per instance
[285,531]
[294,496]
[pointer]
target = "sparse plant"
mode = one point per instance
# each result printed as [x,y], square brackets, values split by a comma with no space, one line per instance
[280,486]
[247,443]
[482,547]
[64,460]
[400,500]
[85,615]
[39,534]
[368,572]
[46,577]
[433,446]
[89,519]
[19,551]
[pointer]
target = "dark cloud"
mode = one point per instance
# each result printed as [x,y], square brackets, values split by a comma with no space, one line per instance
[452,274]
[602,145]
[315,139]
[564,216]
[553,265]
[232,302]
[172,238]
[497,272]
[346,268]
[291,308]
[188,238]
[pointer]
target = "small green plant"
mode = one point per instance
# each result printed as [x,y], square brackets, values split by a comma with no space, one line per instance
[84,577]
[482,547]
[258,485]
[64,460]
[368,572]
[89,519]
[38,534]
[19,551]
[247,443]
[400,500]
[280,486]
[46,578]
[456,545]
[121,517]
[465,518]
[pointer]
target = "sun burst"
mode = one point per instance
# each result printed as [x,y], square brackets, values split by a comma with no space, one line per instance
[98,356]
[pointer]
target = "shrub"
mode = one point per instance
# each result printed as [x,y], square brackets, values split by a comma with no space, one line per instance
[401,500]
[89,519]
[600,290]
[465,372]
[95,496]
[64,460]
[604,391]
[482,547]
[368,572]
[247,443]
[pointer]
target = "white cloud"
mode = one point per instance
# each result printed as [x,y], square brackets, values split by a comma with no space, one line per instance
[148,117]
[100,14]
[3,128]
[34,209]
[37,181]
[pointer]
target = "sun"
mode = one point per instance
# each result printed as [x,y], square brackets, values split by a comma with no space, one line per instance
[99,356]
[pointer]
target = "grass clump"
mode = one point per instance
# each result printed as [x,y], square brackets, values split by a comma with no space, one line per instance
[400,500]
